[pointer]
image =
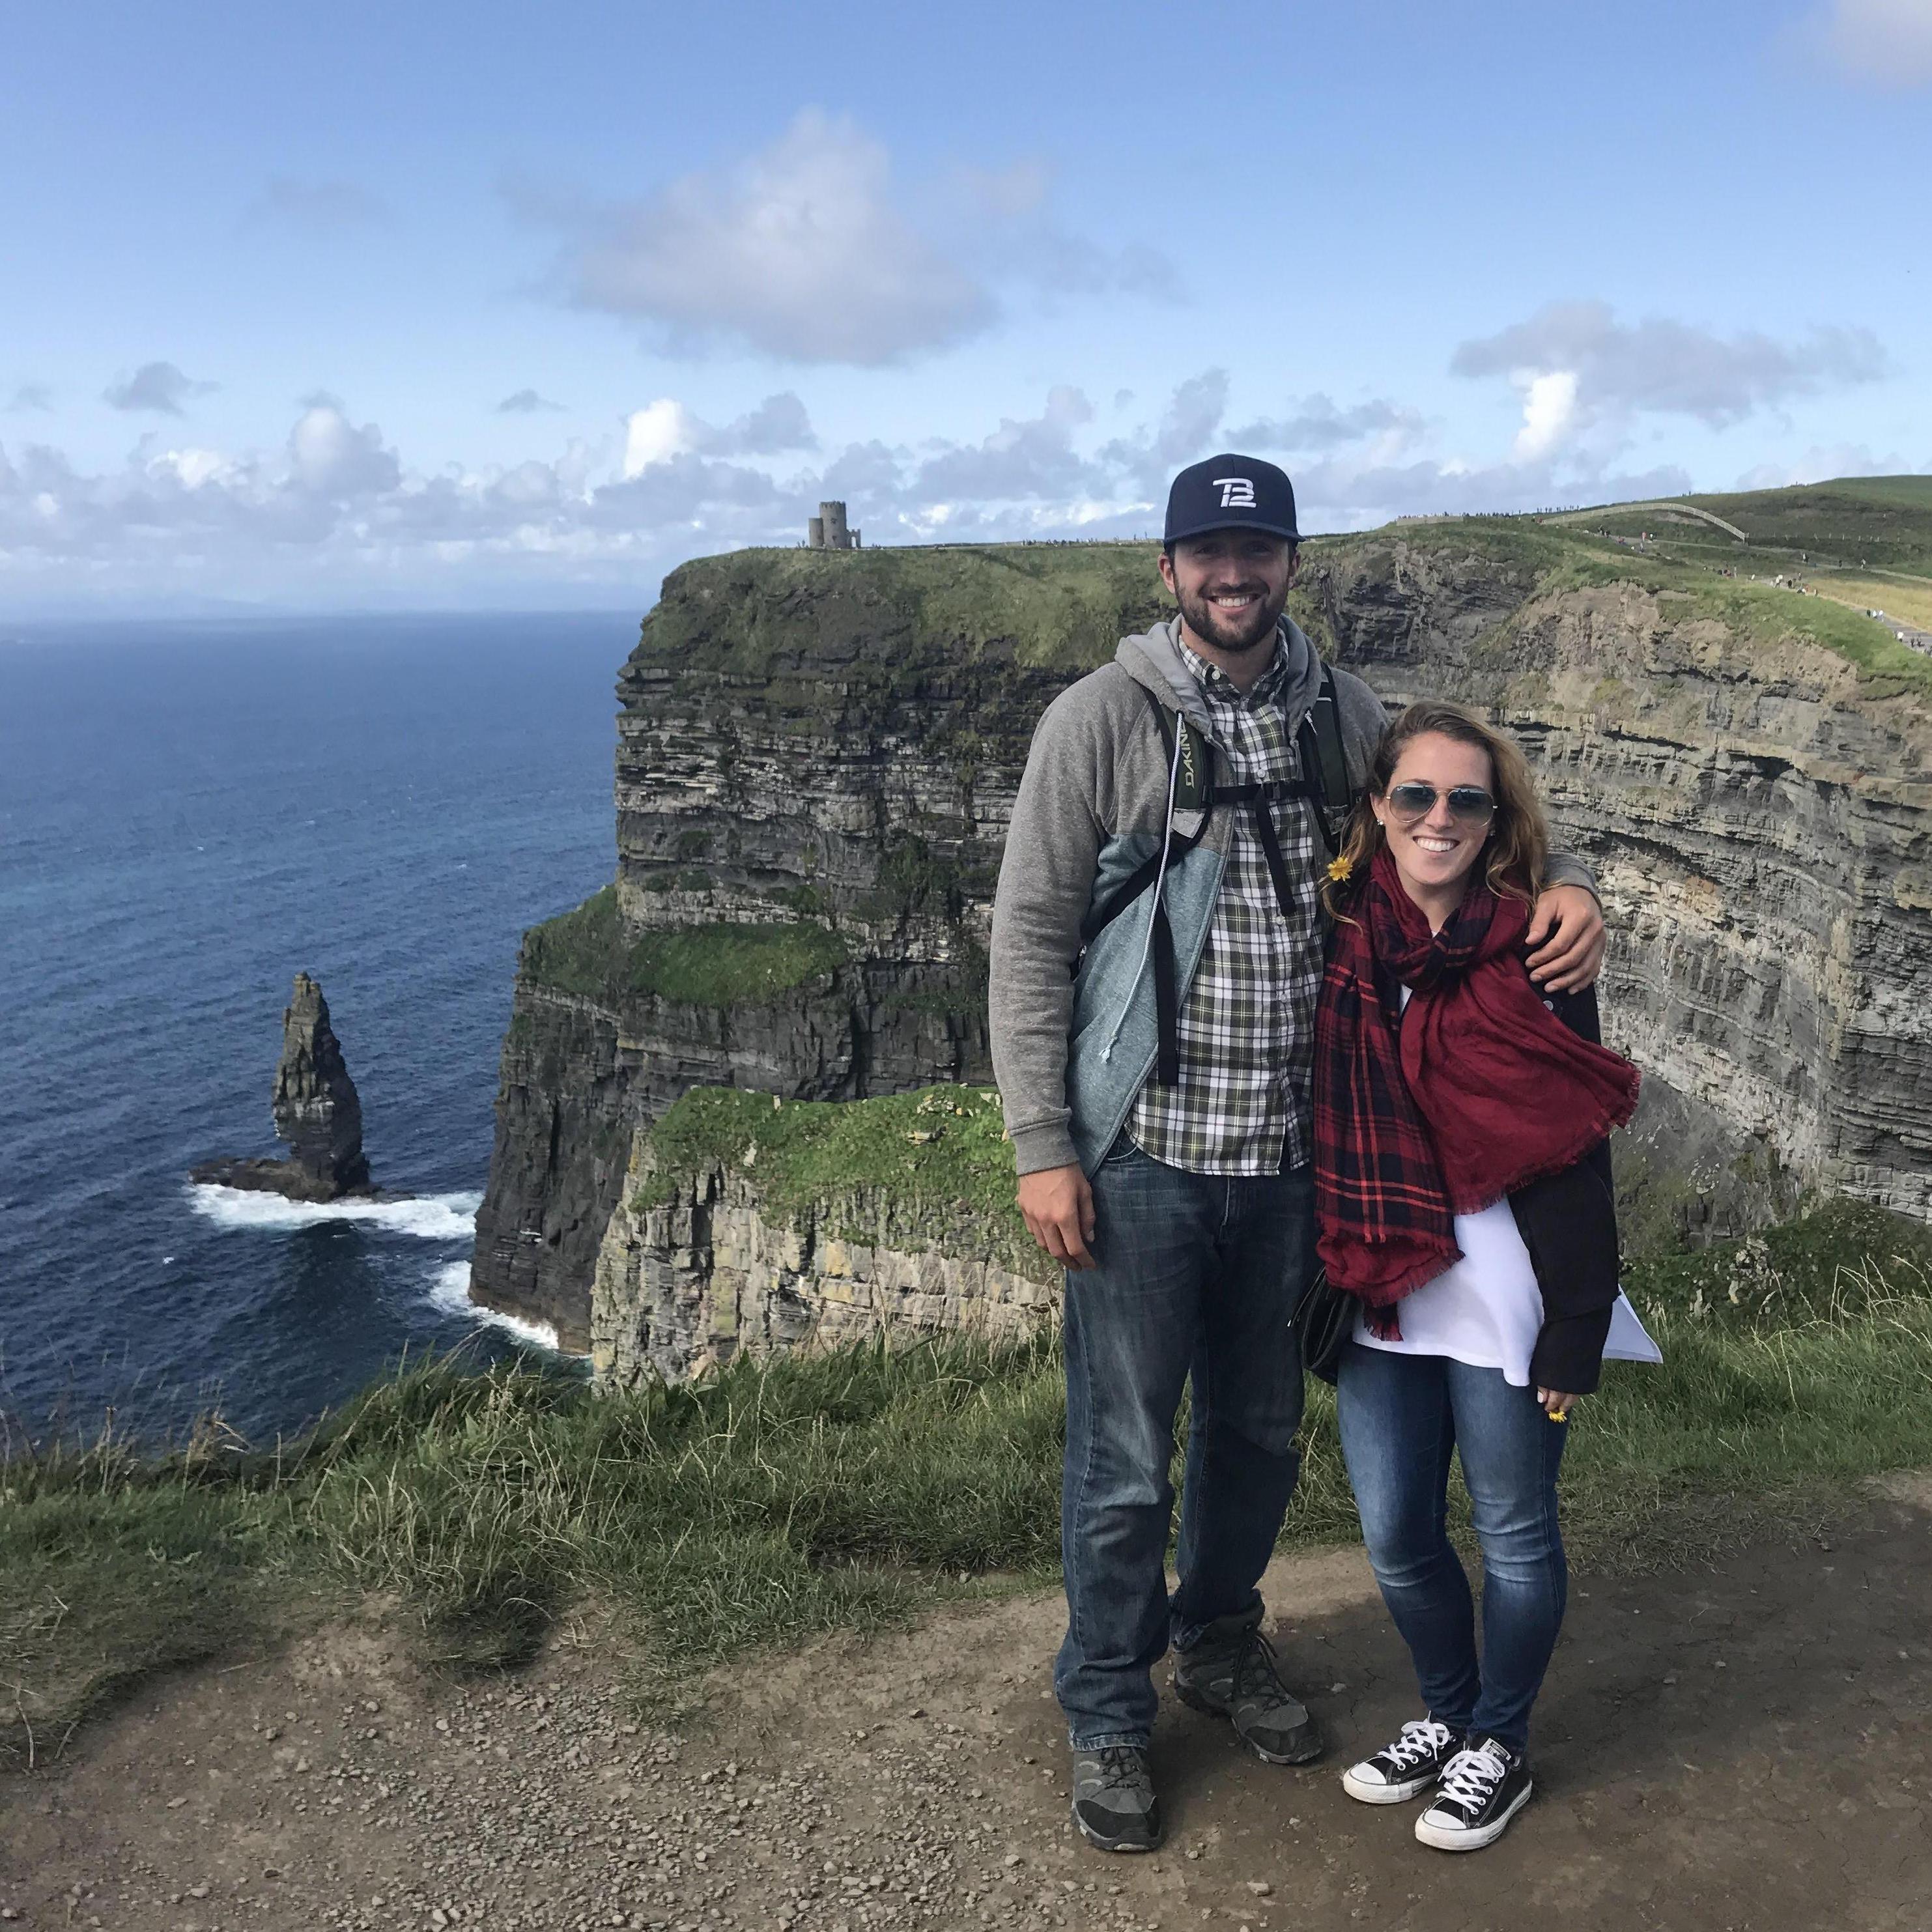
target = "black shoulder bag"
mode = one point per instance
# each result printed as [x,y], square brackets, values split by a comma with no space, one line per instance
[1324,1320]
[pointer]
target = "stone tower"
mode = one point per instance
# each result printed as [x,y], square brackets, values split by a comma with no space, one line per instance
[828,530]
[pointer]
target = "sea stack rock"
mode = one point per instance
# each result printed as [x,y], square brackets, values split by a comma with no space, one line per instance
[317,1112]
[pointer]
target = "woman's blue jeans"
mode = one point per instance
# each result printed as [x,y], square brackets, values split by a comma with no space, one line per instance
[1403,1417]
[1198,1275]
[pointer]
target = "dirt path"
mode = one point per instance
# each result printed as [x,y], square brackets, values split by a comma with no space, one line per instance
[1745,1749]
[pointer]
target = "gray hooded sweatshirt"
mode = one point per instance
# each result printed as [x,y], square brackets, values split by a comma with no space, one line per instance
[1073,1025]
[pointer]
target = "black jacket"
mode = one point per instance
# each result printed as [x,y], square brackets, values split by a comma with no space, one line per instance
[1568,1222]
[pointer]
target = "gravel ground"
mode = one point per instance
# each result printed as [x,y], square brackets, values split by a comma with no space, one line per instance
[1745,1748]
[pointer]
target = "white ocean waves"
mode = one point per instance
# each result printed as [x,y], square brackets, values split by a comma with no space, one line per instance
[431,1217]
[449,1291]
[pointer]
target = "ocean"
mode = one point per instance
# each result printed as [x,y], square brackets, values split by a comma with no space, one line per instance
[190,814]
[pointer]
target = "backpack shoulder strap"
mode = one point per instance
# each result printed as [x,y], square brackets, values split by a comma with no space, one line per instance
[1194,789]
[1194,783]
[1324,765]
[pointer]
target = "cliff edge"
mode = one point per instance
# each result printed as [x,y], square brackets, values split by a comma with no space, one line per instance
[817,754]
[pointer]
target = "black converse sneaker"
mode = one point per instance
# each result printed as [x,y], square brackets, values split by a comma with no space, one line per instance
[1406,1768]
[1484,1785]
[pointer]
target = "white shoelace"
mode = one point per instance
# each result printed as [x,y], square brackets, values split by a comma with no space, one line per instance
[1420,1739]
[1473,1775]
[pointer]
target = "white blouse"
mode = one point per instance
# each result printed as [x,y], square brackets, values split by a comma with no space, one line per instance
[1486,1310]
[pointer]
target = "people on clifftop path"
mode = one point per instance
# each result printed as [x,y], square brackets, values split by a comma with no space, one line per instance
[1157,950]
[1463,1194]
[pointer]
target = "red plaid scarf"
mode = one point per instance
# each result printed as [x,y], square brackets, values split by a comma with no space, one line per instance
[1476,1090]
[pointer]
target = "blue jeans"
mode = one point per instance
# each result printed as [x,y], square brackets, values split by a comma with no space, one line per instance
[1197,1274]
[1403,1417]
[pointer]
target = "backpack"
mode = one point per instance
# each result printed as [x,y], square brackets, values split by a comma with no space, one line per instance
[1323,783]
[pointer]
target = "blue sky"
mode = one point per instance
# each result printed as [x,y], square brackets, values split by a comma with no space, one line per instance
[480,304]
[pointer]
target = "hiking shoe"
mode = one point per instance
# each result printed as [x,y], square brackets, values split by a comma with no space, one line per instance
[1114,1803]
[1483,1787]
[1231,1673]
[1405,1769]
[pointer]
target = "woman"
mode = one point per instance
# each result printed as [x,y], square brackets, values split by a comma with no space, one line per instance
[1463,1187]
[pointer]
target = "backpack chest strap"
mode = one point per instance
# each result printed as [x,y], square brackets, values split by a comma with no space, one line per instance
[1271,791]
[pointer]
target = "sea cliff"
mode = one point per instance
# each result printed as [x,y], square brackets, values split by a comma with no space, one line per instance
[817,754]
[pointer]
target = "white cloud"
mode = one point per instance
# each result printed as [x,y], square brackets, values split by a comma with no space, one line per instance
[1192,419]
[1887,43]
[666,429]
[158,387]
[1578,367]
[192,468]
[333,513]
[30,396]
[1548,407]
[800,251]
[331,457]
[656,433]
[809,250]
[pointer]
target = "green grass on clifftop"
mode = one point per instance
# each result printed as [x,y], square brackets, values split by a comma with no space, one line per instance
[585,951]
[1048,605]
[940,1152]
[1856,521]
[755,613]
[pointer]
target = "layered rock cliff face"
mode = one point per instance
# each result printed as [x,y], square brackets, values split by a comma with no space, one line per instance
[707,1257]
[826,748]
[828,743]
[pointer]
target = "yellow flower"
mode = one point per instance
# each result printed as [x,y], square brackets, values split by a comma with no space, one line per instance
[1339,870]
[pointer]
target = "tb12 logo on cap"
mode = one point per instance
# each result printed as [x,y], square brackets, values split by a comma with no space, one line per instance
[1237,493]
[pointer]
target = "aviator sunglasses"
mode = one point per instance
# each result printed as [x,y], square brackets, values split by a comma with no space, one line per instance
[1468,804]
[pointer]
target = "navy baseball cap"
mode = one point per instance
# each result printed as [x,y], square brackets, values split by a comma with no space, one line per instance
[1231,492]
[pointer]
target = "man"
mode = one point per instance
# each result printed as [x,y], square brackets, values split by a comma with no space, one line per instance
[1157,947]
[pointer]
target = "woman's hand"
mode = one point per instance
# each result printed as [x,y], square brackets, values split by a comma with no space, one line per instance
[1566,940]
[1556,1403]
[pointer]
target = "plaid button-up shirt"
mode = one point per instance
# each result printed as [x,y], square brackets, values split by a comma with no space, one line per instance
[1243,1103]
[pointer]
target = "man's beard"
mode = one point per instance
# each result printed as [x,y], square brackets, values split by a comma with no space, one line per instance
[1225,633]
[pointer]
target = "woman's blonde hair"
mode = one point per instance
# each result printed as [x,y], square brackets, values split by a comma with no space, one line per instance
[1519,842]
